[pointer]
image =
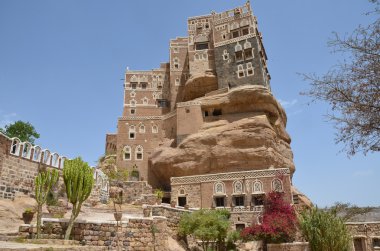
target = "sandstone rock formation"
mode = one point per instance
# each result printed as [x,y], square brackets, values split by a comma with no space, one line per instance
[249,135]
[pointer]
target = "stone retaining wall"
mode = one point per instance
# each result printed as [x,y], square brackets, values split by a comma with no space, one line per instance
[134,234]
[295,246]
[135,192]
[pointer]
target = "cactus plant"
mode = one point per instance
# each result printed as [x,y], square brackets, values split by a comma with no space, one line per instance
[78,178]
[43,183]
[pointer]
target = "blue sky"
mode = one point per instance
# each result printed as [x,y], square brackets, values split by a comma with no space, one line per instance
[61,63]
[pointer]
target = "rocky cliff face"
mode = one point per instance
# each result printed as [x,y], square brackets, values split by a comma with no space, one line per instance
[249,135]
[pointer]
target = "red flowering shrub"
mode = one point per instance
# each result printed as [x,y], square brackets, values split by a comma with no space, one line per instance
[279,222]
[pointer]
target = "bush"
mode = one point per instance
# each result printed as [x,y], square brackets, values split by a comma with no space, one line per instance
[279,222]
[324,230]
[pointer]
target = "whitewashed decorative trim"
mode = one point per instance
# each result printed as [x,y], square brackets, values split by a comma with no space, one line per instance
[189,103]
[229,176]
[234,40]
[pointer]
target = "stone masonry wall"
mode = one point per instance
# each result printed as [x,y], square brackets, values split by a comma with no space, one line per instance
[134,234]
[295,246]
[366,232]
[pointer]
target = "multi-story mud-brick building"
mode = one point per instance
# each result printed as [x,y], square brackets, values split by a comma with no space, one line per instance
[222,51]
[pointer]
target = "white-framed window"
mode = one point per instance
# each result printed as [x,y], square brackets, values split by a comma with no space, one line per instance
[277,185]
[219,188]
[134,79]
[238,187]
[62,162]
[176,63]
[145,100]
[55,159]
[142,128]
[132,103]
[177,81]
[154,129]
[127,153]
[46,157]
[250,70]
[132,132]
[132,111]
[37,153]
[226,55]
[238,52]
[257,187]
[247,45]
[26,150]
[132,94]
[240,71]
[234,26]
[238,47]
[139,152]
[15,147]
[244,22]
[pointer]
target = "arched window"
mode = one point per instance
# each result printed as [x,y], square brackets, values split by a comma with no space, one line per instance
[26,150]
[240,71]
[238,187]
[61,162]
[234,26]
[54,159]
[15,147]
[145,100]
[139,152]
[250,71]
[142,128]
[238,47]
[219,188]
[244,22]
[226,56]
[277,185]
[46,157]
[133,103]
[134,78]
[154,129]
[127,153]
[36,153]
[181,191]
[247,45]
[257,187]
[132,132]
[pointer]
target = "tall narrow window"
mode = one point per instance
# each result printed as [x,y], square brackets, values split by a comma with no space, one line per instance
[238,52]
[133,103]
[240,71]
[177,81]
[142,128]
[154,129]
[176,63]
[145,100]
[54,159]
[226,56]
[144,85]
[277,185]
[127,153]
[26,150]
[46,158]
[132,132]
[36,153]
[249,69]
[139,152]
[15,148]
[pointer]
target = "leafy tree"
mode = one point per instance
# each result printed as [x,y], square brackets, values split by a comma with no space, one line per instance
[352,88]
[78,178]
[208,226]
[346,211]
[324,230]
[279,222]
[43,184]
[22,130]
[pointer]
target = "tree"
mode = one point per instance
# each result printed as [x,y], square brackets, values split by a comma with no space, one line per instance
[352,88]
[43,184]
[324,230]
[279,222]
[78,178]
[209,226]
[22,130]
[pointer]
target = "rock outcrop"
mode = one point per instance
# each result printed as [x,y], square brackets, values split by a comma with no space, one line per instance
[249,135]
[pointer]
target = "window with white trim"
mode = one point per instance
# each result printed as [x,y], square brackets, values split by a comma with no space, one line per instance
[132,94]
[54,159]
[145,100]
[154,129]
[46,157]
[127,153]
[62,162]
[176,63]
[15,148]
[132,132]
[133,111]
[132,102]
[226,55]
[238,187]
[139,152]
[240,71]
[36,153]
[219,188]
[26,150]
[142,128]
[257,187]
[277,185]
[238,52]
[250,71]
[177,81]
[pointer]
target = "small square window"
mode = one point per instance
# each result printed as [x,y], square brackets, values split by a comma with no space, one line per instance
[133,85]
[241,74]
[144,85]
[239,55]
[249,72]
[127,156]
[248,53]
[133,111]
[131,135]
[139,156]
[245,31]
[235,34]
[239,201]
[219,201]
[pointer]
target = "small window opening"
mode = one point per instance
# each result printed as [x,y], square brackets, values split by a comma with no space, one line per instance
[258,200]
[219,201]
[131,135]
[187,110]
[133,111]
[201,46]
[134,85]
[239,227]
[235,34]
[182,201]
[248,53]
[139,156]
[239,55]
[245,31]
[206,113]
[239,201]
[144,85]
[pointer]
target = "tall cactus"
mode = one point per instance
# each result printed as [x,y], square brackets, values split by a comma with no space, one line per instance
[79,180]
[43,183]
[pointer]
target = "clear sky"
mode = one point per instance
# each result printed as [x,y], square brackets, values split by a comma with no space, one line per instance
[61,65]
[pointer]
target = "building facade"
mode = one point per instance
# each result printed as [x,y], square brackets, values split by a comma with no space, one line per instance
[222,51]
